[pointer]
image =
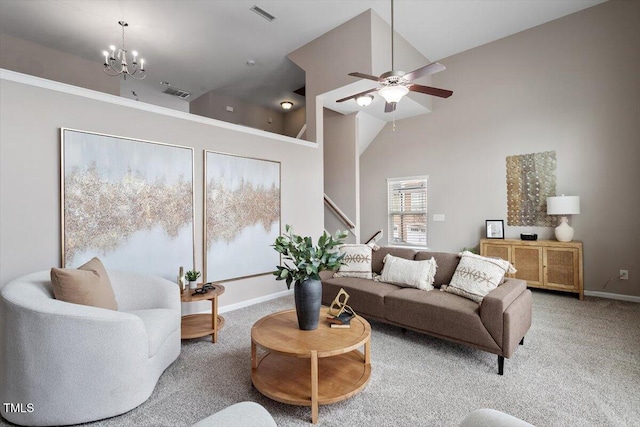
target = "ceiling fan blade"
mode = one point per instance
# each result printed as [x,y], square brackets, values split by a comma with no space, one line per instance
[442,93]
[365,76]
[390,107]
[357,95]
[434,67]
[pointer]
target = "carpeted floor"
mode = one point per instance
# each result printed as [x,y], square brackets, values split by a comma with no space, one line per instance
[580,366]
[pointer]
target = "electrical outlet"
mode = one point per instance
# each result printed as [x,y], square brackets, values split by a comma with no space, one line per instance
[624,274]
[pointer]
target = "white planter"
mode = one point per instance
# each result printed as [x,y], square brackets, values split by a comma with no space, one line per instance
[193,284]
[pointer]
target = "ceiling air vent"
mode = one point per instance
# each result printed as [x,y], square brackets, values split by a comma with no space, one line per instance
[176,92]
[260,11]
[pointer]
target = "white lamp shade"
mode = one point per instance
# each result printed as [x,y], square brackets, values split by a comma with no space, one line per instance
[393,93]
[563,205]
[364,100]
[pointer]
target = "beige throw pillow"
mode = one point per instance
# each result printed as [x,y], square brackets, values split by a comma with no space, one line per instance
[409,273]
[476,276]
[357,261]
[87,285]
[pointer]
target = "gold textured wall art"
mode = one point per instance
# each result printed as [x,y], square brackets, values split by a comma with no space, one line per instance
[128,202]
[242,216]
[531,179]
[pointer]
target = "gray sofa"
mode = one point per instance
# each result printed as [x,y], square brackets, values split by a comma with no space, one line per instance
[497,325]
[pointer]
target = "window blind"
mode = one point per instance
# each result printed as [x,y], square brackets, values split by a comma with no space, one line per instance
[407,211]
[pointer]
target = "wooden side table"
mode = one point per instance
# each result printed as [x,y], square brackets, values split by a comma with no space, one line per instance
[309,368]
[200,325]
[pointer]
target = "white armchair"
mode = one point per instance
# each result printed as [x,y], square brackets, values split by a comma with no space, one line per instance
[75,363]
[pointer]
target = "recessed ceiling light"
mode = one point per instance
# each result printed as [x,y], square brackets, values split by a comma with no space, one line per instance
[165,83]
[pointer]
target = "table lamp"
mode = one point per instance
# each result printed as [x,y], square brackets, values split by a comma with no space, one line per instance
[563,205]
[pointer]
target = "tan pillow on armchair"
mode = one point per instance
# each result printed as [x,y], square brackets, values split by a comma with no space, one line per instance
[87,285]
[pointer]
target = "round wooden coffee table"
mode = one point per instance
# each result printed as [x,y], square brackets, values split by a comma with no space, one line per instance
[309,368]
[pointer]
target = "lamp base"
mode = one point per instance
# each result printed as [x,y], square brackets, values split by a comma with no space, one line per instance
[564,232]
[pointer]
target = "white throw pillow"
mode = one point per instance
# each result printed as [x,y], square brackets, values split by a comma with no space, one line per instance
[357,261]
[409,273]
[476,276]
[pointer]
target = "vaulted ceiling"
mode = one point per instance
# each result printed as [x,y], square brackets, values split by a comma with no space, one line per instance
[203,45]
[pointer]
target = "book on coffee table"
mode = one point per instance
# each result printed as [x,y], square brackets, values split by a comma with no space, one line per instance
[337,326]
[342,319]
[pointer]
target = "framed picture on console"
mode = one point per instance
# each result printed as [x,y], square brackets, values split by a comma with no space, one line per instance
[241,216]
[128,202]
[495,229]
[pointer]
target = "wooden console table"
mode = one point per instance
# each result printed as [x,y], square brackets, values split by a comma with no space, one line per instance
[309,368]
[546,264]
[200,325]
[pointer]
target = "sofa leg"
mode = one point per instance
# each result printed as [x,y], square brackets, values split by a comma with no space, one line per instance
[522,341]
[500,365]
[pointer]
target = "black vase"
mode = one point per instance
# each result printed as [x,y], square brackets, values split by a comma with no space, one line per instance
[308,296]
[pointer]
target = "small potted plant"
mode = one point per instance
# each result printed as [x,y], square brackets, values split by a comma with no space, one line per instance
[301,264]
[192,277]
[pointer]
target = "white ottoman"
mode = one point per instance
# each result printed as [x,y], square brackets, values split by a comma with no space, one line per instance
[246,414]
[492,418]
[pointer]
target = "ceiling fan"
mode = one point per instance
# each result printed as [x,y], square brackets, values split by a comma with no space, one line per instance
[393,85]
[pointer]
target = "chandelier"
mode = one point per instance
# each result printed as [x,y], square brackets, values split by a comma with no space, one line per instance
[115,63]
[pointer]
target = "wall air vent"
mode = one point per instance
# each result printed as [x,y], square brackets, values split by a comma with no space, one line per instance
[260,11]
[176,92]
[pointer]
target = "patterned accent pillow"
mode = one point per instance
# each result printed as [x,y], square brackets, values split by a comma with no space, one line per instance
[476,276]
[357,261]
[408,273]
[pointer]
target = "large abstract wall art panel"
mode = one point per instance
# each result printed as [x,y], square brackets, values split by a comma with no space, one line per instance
[128,202]
[242,216]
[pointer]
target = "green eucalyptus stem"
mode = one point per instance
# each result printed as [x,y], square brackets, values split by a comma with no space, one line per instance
[301,260]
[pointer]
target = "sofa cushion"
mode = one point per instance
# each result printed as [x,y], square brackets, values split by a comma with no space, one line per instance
[447,264]
[378,256]
[408,273]
[365,296]
[477,275]
[357,261]
[440,313]
[159,324]
[89,284]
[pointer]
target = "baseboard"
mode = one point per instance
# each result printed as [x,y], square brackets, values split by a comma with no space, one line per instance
[609,295]
[247,303]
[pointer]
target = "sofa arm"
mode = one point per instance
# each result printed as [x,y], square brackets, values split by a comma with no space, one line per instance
[140,292]
[326,274]
[495,303]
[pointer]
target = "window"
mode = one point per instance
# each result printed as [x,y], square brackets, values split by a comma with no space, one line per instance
[407,211]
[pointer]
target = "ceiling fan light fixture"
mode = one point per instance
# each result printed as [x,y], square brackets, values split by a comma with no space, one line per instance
[364,100]
[286,105]
[393,93]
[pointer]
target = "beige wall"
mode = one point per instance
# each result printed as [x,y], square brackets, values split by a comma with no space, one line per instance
[244,113]
[570,86]
[36,60]
[329,59]
[294,121]
[30,172]
[341,159]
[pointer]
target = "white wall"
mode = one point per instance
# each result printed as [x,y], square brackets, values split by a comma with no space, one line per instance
[570,86]
[30,169]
